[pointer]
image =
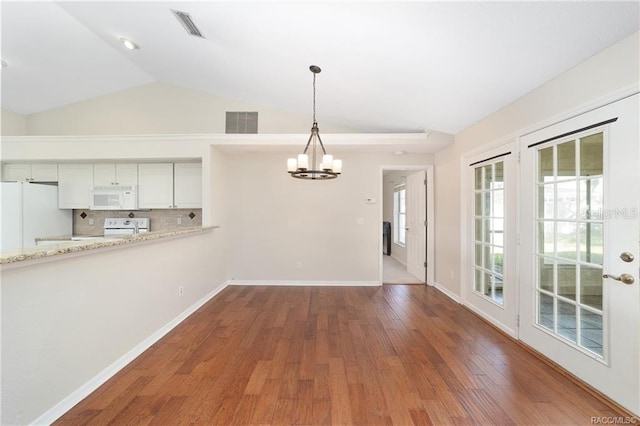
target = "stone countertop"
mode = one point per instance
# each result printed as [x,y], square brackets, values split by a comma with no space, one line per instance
[67,245]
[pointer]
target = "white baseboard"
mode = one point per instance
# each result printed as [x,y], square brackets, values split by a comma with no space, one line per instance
[510,331]
[85,390]
[306,283]
[447,292]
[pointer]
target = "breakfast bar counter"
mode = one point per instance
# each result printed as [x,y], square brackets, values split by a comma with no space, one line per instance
[67,245]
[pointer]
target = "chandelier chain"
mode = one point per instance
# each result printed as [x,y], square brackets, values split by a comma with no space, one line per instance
[314,97]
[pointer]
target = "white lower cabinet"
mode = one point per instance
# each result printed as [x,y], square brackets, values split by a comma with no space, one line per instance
[187,189]
[74,185]
[155,185]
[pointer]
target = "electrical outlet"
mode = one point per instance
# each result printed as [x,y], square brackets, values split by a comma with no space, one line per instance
[299,265]
[179,221]
[181,291]
[90,221]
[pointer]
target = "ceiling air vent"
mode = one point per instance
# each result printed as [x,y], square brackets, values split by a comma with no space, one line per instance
[242,122]
[187,23]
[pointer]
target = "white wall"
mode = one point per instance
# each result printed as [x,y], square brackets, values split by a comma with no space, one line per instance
[66,320]
[610,72]
[158,108]
[12,123]
[278,221]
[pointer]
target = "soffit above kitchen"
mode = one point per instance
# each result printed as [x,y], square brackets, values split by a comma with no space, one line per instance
[387,67]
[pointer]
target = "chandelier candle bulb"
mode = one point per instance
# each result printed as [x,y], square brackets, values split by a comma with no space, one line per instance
[337,166]
[303,161]
[292,164]
[327,161]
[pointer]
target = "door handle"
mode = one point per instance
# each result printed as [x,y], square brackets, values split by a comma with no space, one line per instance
[625,278]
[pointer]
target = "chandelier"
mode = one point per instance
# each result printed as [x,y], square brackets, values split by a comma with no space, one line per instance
[301,168]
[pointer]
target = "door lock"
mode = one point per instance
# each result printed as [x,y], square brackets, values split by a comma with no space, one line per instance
[626,256]
[625,278]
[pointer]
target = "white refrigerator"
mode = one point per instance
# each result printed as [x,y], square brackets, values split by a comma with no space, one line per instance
[29,211]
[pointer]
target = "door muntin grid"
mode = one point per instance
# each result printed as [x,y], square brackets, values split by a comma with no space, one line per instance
[489,225]
[570,241]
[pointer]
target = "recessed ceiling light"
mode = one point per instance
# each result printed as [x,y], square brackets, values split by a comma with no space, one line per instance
[400,152]
[129,44]
[4,64]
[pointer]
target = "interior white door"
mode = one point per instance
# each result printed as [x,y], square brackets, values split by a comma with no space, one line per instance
[580,187]
[416,235]
[490,279]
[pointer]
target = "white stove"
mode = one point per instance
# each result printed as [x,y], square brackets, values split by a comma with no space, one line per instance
[121,226]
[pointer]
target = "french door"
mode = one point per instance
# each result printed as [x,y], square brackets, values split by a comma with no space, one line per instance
[490,276]
[579,229]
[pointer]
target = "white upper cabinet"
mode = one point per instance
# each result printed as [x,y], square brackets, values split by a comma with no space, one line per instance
[187,185]
[74,185]
[36,172]
[155,185]
[115,174]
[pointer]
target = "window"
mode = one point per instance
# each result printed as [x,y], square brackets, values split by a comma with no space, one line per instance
[399,214]
[489,231]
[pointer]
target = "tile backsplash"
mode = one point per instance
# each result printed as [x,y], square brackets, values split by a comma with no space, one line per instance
[91,222]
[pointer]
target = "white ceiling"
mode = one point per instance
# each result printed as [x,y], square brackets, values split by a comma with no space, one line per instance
[386,66]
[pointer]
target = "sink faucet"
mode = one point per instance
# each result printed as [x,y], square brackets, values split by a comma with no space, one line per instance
[136,231]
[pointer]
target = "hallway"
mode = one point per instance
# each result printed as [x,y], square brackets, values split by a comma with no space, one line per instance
[394,272]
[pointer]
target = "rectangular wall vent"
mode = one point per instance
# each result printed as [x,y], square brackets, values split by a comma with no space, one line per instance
[187,23]
[242,122]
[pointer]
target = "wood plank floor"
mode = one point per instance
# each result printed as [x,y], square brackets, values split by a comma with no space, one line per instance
[386,355]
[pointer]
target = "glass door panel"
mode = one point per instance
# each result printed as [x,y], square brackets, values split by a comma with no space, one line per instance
[569,248]
[489,231]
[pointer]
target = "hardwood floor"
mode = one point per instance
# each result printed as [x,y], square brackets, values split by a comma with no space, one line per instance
[336,355]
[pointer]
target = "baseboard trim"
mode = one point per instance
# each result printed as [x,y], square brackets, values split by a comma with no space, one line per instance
[85,390]
[494,322]
[447,292]
[306,283]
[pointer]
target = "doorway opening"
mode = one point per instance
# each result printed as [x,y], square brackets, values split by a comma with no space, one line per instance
[406,212]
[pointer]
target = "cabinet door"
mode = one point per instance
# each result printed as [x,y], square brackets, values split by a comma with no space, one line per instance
[45,172]
[126,174]
[155,186]
[74,185]
[16,172]
[104,174]
[187,185]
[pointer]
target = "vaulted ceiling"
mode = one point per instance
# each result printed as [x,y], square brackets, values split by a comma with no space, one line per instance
[386,66]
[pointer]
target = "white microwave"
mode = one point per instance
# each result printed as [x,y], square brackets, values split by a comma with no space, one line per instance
[114,198]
